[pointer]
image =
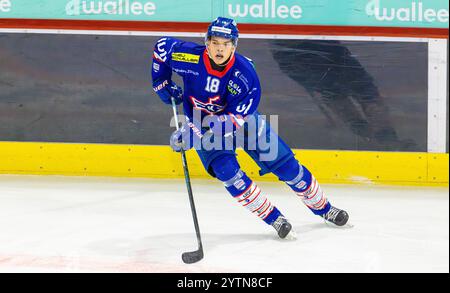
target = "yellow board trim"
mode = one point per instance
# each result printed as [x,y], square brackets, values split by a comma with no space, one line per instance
[349,167]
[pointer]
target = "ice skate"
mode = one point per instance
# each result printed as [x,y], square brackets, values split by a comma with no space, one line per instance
[283,228]
[336,216]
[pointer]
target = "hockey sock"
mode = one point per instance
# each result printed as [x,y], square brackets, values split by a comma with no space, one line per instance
[244,190]
[249,195]
[303,183]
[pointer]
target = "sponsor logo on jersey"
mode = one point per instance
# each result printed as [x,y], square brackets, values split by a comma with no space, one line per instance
[239,75]
[244,79]
[185,57]
[244,107]
[156,67]
[209,107]
[160,50]
[178,70]
[234,88]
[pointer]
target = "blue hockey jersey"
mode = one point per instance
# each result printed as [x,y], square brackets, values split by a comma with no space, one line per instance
[234,92]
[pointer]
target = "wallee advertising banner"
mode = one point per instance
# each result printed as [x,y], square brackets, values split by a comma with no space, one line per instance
[392,13]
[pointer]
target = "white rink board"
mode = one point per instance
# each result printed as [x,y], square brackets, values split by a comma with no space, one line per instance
[85,224]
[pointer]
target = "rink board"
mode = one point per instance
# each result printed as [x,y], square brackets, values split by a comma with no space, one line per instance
[378,94]
[161,162]
[106,134]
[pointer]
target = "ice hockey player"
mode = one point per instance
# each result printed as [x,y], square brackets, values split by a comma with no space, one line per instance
[222,87]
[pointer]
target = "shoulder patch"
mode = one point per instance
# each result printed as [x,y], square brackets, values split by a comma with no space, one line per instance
[186,57]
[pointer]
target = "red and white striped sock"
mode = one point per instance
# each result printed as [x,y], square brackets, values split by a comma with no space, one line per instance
[313,197]
[256,202]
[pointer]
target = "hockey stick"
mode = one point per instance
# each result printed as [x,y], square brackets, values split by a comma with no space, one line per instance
[197,255]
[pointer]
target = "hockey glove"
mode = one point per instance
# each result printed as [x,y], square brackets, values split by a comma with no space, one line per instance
[186,137]
[176,140]
[167,89]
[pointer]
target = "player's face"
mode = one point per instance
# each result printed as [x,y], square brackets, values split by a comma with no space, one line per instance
[220,49]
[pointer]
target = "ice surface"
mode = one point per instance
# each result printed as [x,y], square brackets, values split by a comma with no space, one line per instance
[87,224]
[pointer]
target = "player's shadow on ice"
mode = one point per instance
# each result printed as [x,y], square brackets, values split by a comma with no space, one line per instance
[215,239]
[306,228]
[162,248]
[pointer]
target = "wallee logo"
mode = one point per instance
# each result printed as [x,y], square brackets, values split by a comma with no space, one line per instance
[5,6]
[416,12]
[265,9]
[118,7]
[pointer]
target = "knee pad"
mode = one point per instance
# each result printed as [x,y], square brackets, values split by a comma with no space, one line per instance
[295,175]
[289,170]
[225,167]
[227,170]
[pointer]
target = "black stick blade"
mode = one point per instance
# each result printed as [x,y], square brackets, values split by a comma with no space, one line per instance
[192,257]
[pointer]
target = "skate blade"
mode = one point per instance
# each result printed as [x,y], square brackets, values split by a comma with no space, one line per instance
[291,236]
[346,226]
